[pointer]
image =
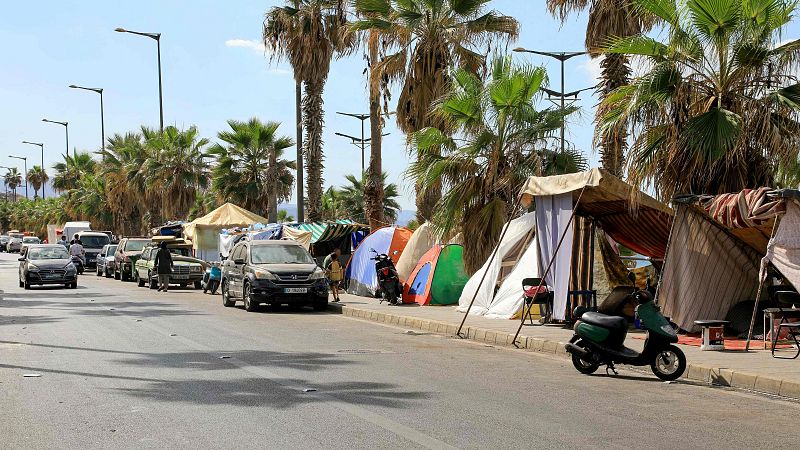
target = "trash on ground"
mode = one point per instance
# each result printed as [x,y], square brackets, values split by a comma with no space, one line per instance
[173,334]
[224,357]
[309,390]
[31,375]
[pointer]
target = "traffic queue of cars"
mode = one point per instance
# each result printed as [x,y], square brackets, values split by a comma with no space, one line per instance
[279,272]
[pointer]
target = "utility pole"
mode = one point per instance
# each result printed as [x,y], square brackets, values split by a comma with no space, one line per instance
[156,37]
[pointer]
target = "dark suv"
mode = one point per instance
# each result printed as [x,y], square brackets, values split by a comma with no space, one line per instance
[274,272]
[128,251]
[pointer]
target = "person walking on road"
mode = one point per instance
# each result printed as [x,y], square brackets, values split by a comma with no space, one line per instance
[163,266]
[335,275]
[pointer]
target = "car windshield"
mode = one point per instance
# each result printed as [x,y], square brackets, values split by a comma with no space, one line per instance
[135,246]
[179,251]
[94,241]
[111,249]
[30,240]
[48,253]
[280,254]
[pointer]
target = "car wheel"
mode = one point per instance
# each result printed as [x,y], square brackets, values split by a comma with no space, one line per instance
[74,285]
[198,285]
[227,301]
[320,305]
[26,285]
[139,280]
[123,276]
[153,281]
[21,283]
[247,296]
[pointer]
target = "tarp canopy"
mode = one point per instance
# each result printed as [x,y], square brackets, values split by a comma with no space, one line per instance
[329,231]
[296,234]
[439,277]
[716,249]
[628,215]
[204,231]
[420,242]
[360,272]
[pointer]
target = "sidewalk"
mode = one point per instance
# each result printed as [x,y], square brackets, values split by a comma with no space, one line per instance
[756,370]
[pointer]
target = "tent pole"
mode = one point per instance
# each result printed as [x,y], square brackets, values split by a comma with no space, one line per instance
[491,258]
[527,311]
[761,280]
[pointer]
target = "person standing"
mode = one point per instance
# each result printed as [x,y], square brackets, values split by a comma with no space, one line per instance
[163,266]
[335,275]
[64,242]
[327,260]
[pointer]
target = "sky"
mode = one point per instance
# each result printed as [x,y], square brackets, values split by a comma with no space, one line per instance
[214,69]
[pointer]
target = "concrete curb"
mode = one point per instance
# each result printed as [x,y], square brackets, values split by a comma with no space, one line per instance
[694,372]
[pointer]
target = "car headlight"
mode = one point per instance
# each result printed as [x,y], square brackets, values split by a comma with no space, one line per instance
[197,269]
[318,274]
[262,274]
[33,268]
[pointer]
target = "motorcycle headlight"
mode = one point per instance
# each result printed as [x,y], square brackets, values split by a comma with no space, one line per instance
[196,269]
[262,274]
[33,268]
[318,274]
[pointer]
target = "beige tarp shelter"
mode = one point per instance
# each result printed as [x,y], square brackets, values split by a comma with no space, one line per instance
[530,242]
[719,246]
[204,231]
[296,234]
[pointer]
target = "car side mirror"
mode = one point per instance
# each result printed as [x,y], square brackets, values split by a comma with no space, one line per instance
[238,261]
[21,259]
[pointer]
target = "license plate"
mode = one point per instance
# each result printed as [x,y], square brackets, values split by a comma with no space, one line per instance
[181,277]
[51,276]
[295,290]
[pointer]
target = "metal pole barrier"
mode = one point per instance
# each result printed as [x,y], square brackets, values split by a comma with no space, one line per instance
[550,264]
[491,258]
[760,288]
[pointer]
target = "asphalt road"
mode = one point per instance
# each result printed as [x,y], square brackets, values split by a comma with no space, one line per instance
[127,367]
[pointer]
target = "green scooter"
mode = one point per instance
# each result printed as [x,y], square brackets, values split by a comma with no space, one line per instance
[599,340]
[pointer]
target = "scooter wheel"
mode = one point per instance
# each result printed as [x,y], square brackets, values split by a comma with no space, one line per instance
[583,366]
[669,364]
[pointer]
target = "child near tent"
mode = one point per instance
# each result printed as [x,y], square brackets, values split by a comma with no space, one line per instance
[335,274]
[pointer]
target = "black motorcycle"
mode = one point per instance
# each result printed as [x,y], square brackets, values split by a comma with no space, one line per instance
[77,261]
[389,287]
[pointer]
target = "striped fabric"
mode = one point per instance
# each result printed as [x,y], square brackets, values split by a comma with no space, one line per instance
[645,230]
[581,278]
[745,209]
[706,271]
[329,231]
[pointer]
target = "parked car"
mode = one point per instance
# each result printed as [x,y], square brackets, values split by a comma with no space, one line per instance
[14,244]
[47,264]
[29,240]
[3,242]
[105,260]
[128,251]
[93,242]
[274,272]
[185,269]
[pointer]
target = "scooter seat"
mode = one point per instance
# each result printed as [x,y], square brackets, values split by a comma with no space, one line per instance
[602,320]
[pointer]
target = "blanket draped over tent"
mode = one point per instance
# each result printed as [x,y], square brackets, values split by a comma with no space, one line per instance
[715,251]
[324,231]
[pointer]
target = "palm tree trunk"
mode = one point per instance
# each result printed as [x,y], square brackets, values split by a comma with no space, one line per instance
[613,142]
[373,188]
[299,116]
[272,182]
[313,121]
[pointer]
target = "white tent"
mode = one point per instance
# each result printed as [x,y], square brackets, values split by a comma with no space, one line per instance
[516,259]
[420,242]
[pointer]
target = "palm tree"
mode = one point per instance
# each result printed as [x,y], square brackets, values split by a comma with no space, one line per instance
[250,168]
[607,19]
[718,109]
[13,179]
[122,159]
[332,204]
[309,33]
[430,37]
[37,177]
[89,201]
[352,200]
[505,140]
[175,169]
[284,216]
[71,169]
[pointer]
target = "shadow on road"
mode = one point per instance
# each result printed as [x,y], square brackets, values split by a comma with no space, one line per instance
[26,320]
[276,393]
[99,308]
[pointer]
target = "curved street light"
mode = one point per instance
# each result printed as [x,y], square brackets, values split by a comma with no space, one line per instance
[102,115]
[25,175]
[157,38]
[41,145]
[66,129]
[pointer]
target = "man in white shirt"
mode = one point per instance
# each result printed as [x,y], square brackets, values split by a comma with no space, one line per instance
[76,249]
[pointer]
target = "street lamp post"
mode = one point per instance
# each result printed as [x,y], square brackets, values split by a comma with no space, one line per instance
[41,145]
[25,175]
[66,130]
[102,114]
[562,96]
[356,141]
[157,38]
